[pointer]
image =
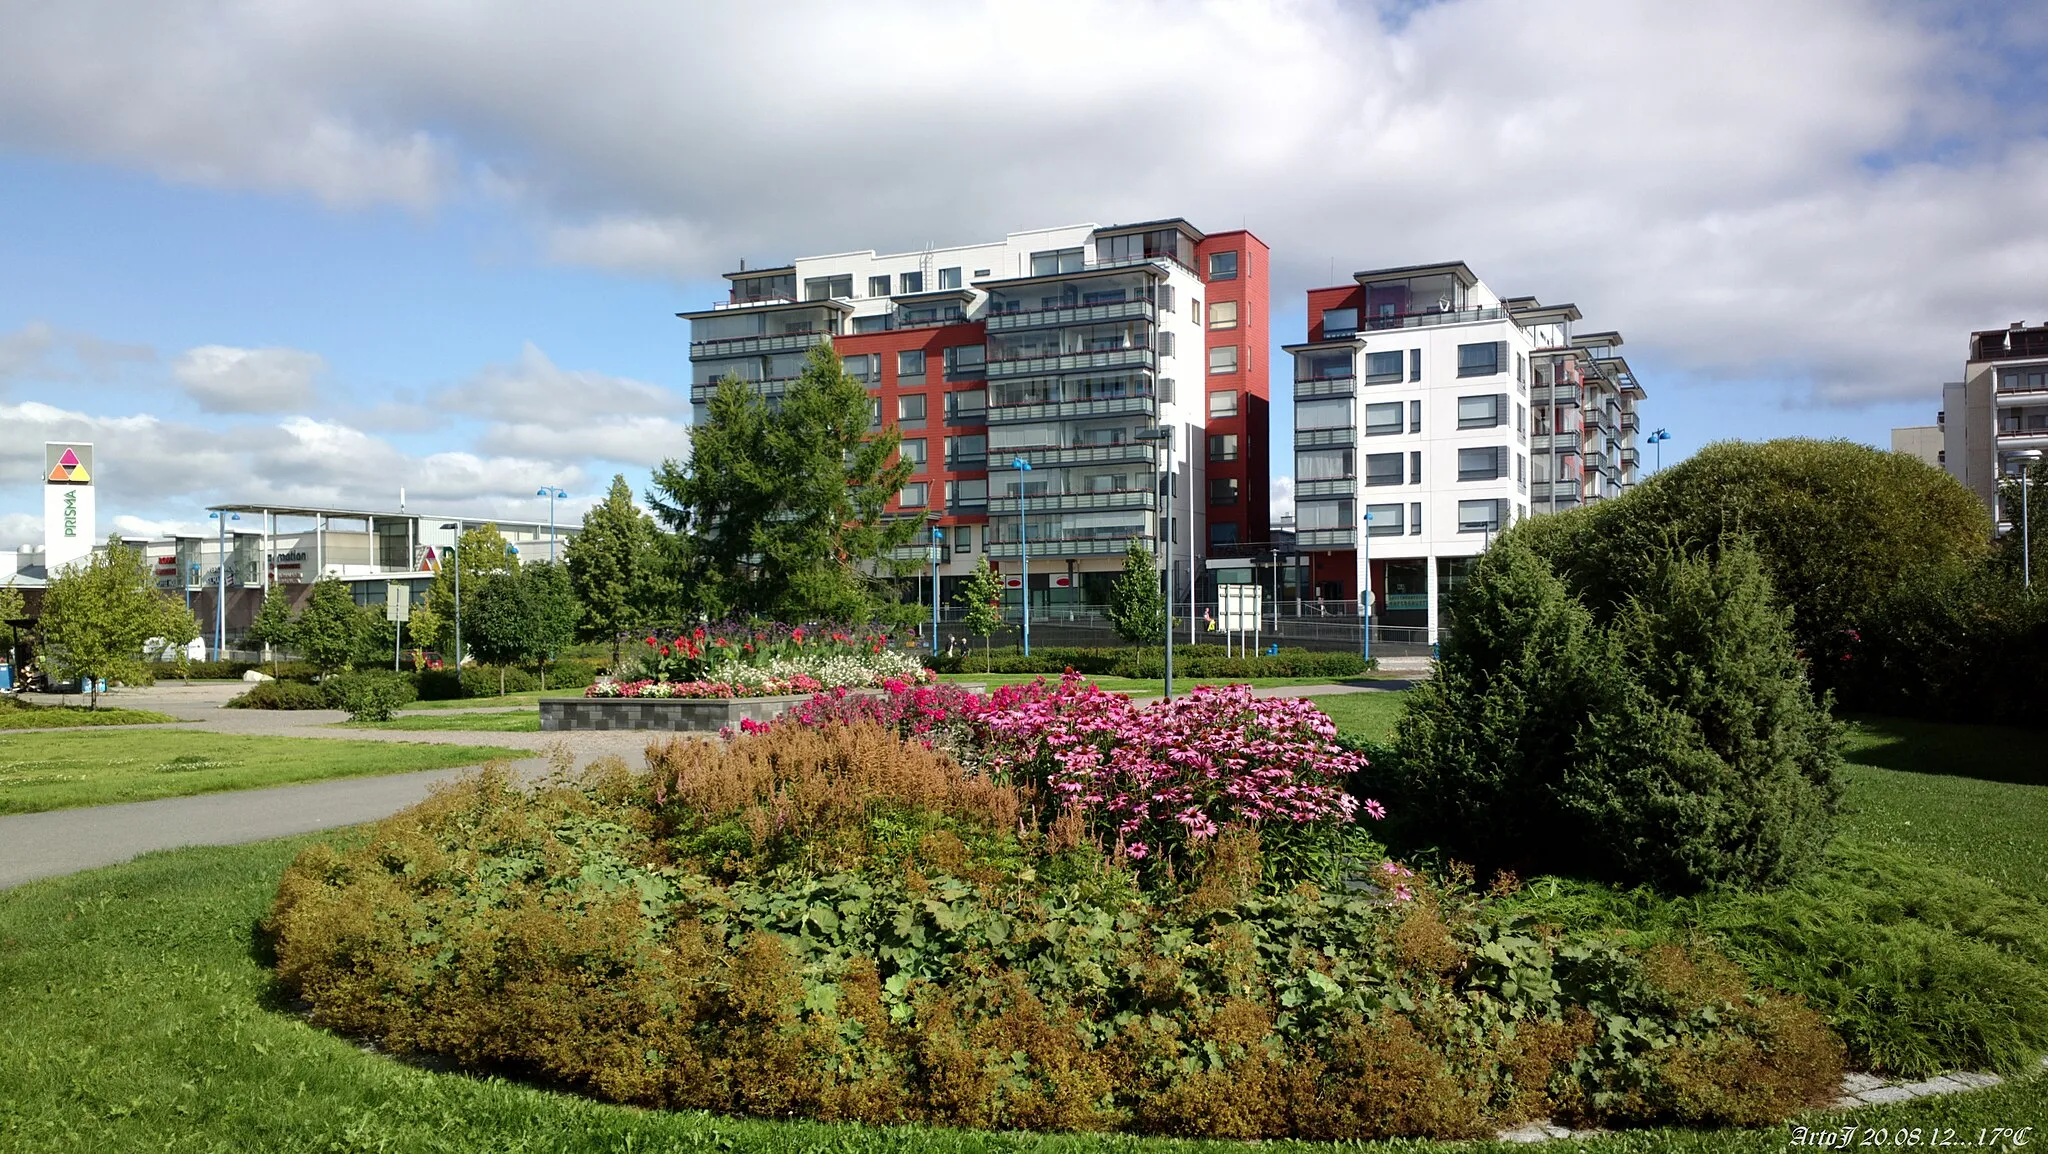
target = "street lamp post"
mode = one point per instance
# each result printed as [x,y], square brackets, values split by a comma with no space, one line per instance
[1365,587]
[1164,434]
[550,493]
[220,595]
[938,541]
[2027,458]
[1024,547]
[450,553]
[1658,438]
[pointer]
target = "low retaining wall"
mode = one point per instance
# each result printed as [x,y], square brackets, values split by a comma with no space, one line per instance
[680,714]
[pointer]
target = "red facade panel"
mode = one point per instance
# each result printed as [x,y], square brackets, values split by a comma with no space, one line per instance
[933,342]
[1252,469]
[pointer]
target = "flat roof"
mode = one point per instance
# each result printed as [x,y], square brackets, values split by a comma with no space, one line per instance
[383,514]
[1457,268]
[1339,343]
[764,306]
[1609,337]
[1567,310]
[1155,264]
[1177,222]
[750,273]
[935,296]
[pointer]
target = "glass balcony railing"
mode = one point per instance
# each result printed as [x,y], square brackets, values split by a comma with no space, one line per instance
[1075,502]
[1316,438]
[1325,387]
[1327,487]
[1137,357]
[746,346]
[1068,410]
[1326,538]
[1008,322]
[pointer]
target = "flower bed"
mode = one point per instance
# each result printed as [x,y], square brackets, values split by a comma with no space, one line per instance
[734,661]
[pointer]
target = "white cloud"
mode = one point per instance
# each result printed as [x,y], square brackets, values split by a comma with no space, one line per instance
[1825,192]
[1281,502]
[18,529]
[223,379]
[40,353]
[539,410]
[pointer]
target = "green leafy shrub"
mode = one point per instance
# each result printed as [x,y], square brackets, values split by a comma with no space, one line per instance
[476,681]
[233,670]
[837,924]
[1960,642]
[369,694]
[280,695]
[1682,745]
[574,673]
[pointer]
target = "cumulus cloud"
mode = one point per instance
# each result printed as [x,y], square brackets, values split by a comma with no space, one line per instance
[18,529]
[1282,500]
[40,353]
[1830,193]
[536,409]
[223,379]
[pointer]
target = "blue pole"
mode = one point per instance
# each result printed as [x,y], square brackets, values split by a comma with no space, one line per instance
[938,536]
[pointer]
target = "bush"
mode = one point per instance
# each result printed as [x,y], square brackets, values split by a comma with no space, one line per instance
[280,695]
[475,681]
[1961,643]
[573,673]
[369,694]
[834,924]
[233,670]
[1681,746]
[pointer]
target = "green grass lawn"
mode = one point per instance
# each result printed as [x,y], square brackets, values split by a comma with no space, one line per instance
[19,715]
[136,1013]
[1975,796]
[1367,715]
[43,771]
[499,721]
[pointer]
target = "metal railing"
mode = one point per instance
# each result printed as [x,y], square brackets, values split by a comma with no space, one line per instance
[744,346]
[1313,438]
[1113,545]
[1325,538]
[1136,357]
[1045,318]
[766,386]
[1329,487]
[1325,387]
[1078,455]
[1072,502]
[1073,410]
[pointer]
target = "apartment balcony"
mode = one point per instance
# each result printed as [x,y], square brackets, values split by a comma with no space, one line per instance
[1566,493]
[2008,433]
[749,346]
[1133,499]
[1630,423]
[1325,387]
[1561,396]
[1325,438]
[1599,421]
[1140,452]
[2022,382]
[1423,320]
[1328,487]
[1010,322]
[1326,539]
[1630,458]
[767,387]
[1074,410]
[1563,444]
[1131,358]
[1111,546]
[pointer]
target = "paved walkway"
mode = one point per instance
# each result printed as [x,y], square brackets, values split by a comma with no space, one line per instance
[42,845]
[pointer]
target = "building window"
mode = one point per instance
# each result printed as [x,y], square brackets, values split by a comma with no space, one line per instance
[1383,521]
[1487,464]
[1481,360]
[1338,323]
[910,410]
[1222,532]
[949,278]
[1222,314]
[1383,368]
[1415,468]
[1168,346]
[967,452]
[1323,464]
[1222,403]
[1166,390]
[963,535]
[1166,298]
[1522,472]
[1482,412]
[914,495]
[1415,518]
[912,450]
[1324,515]
[1415,416]
[967,407]
[1414,364]
[970,494]
[1521,369]
[874,413]
[820,288]
[1479,516]
[1521,420]
[1052,262]
[1383,468]
[874,324]
[1223,490]
[1223,359]
[910,282]
[878,286]
[860,366]
[1383,419]
[1222,266]
[910,367]
[966,360]
[1323,413]
[1223,447]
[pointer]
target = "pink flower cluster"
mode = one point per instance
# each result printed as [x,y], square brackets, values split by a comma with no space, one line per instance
[1151,780]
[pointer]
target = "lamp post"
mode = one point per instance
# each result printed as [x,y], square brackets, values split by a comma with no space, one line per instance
[450,553]
[1164,434]
[2027,458]
[550,493]
[938,541]
[220,597]
[1365,587]
[1024,547]
[1658,438]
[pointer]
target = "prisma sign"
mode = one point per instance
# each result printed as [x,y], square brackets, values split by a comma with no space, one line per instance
[68,507]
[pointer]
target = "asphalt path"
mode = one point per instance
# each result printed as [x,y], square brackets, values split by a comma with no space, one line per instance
[41,845]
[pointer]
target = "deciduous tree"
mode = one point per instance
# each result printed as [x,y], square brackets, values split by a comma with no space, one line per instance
[981,601]
[329,630]
[1137,607]
[97,614]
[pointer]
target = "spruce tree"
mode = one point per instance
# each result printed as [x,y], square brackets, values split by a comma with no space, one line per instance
[609,564]
[1137,607]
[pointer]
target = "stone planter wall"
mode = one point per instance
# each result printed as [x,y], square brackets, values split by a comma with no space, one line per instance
[673,714]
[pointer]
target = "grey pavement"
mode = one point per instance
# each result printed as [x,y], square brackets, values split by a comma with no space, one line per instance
[42,845]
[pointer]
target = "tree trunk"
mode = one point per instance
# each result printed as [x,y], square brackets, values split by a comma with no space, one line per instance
[988,661]
[501,681]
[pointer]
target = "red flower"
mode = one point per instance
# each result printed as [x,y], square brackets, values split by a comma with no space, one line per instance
[664,651]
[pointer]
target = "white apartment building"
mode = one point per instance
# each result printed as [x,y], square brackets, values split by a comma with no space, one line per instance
[1998,408]
[1432,413]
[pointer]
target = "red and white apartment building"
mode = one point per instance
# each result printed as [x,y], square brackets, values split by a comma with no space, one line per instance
[1054,348]
[1430,413]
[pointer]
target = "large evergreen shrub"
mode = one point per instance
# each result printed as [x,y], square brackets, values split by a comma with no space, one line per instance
[1680,745]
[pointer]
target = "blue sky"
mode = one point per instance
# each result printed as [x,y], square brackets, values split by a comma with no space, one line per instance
[316,253]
